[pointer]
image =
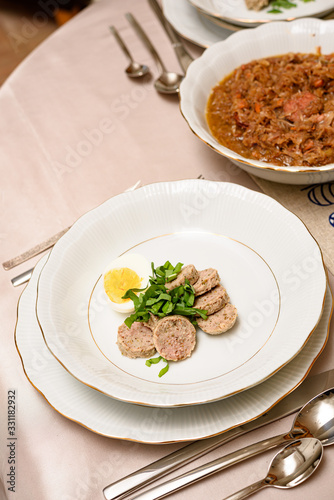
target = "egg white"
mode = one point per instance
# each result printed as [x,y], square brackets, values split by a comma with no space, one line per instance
[136,263]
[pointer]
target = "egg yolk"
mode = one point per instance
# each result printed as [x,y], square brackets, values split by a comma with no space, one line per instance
[118,281]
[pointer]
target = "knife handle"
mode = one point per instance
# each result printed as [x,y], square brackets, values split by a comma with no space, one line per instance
[133,482]
[179,482]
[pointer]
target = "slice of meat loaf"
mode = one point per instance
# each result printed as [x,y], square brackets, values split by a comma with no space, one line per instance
[208,278]
[174,337]
[256,4]
[220,321]
[152,322]
[213,300]
[189,273]
[137,341]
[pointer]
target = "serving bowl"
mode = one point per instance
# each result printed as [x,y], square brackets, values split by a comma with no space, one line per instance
[219,60]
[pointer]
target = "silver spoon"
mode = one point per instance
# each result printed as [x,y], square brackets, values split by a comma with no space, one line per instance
[315,419]
[134,70]
[168,82]
[290,467]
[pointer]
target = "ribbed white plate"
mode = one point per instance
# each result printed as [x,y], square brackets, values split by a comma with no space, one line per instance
[189,23]
[112,418]
[257,246]
[235,11]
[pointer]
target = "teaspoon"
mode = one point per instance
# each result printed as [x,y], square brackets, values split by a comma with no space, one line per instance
[290,467]
[134,70]
[315,419]
[168,82]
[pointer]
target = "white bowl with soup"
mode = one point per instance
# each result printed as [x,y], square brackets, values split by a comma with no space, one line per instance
[264,98]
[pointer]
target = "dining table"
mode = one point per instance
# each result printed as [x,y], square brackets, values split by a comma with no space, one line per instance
[75,132]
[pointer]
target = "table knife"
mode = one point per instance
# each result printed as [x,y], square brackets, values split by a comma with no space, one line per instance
[308,389]
[181,52]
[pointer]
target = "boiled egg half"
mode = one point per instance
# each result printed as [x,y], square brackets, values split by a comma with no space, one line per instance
[125,272]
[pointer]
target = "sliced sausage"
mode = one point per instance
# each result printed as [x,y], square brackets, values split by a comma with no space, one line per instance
[174,338]
[152,322]
[189,273]
[213,300]
[208,279]
[137,341]
[220,321]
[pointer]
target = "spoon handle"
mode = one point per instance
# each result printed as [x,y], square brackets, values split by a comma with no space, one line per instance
[144,38]
[210,468]
[121,42]
[247,491]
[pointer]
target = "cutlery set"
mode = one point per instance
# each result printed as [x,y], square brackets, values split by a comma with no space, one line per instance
[168,82]
[315,419]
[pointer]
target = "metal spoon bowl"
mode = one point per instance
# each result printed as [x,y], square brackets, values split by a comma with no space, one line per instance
[135,69]
[316,419]
[168,82]
[289,468]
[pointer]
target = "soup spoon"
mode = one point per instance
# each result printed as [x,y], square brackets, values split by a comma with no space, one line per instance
[168,82]
[290,467]
[134,70]
[315,419]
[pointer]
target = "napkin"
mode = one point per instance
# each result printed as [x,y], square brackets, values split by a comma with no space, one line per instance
[314,205]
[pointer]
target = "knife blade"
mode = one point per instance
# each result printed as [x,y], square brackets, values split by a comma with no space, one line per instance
[183,56]
[308,389]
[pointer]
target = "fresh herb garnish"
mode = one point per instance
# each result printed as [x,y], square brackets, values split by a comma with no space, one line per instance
[160,302]
[166,273]
[154,361]
[277,5]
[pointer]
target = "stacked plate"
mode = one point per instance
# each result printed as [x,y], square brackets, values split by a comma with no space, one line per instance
[267,260]
[205,22]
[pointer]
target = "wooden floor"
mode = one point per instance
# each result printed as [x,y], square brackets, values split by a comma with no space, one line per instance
[24,24]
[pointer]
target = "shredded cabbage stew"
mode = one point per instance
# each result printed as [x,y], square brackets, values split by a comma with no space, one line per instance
[278,110]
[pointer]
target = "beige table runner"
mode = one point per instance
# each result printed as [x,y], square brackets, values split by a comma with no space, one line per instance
[314,204]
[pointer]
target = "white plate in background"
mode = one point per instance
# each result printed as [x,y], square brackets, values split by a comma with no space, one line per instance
[235,11]
[189,23]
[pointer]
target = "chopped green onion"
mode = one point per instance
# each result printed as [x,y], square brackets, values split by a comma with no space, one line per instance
[165,369]
[277,5]
[160,302]
[153,361]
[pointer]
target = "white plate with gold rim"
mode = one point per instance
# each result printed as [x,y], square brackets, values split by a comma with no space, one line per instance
[235,11]
[112,418]
[257,246]
[191,25]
